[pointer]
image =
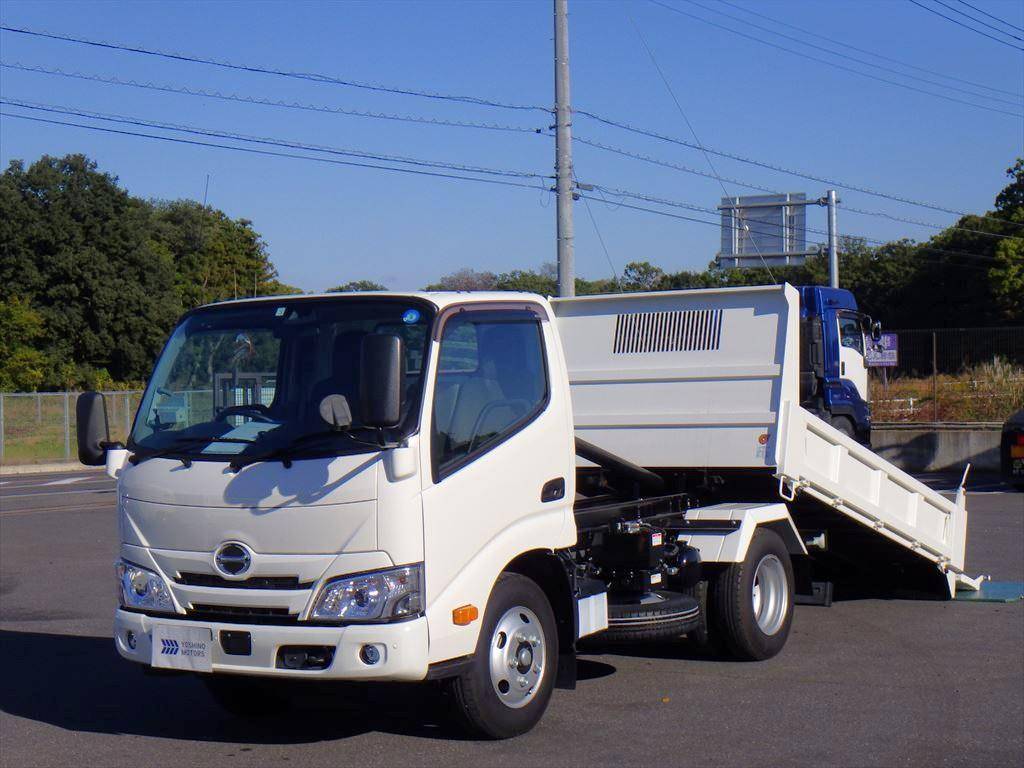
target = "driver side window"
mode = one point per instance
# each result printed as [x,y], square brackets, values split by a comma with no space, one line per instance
[850,333]
[491,381]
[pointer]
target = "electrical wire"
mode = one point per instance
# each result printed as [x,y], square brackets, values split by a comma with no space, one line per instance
[772,167]
[965,26]
[899,62]
[270,153]
[682,217]
[600,237]
[832,52]
[127,120]
[996,18]
[832,63]
[311,76]
[184,91]
[978,21]
[696,138]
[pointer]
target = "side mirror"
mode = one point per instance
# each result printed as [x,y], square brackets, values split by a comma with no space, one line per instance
[93,429]
[381,380]
[876,331]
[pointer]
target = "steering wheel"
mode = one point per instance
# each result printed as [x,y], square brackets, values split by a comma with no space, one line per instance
[255,411]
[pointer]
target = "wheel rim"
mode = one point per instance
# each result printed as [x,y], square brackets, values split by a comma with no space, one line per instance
[770,594]
[517,657]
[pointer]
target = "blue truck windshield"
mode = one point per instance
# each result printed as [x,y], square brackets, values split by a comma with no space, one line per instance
[247,379]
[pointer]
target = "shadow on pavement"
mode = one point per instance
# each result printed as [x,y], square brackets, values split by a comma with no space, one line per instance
[81,684]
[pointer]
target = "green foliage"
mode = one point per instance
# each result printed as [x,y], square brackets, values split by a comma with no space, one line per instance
[357,286]
[22,367]
[107,274]
[214,257]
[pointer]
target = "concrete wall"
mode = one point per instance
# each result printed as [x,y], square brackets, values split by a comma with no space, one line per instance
[919,448]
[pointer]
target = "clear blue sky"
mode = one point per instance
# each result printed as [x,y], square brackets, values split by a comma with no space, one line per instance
[328,224]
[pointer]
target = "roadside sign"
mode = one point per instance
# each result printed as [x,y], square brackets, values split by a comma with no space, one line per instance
[884,353]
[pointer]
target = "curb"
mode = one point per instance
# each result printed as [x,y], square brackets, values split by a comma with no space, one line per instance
[38,469]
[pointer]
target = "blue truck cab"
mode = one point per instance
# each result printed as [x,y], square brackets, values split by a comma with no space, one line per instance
[834,337]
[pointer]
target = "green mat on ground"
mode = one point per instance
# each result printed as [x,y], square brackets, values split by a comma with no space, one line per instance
[994,592]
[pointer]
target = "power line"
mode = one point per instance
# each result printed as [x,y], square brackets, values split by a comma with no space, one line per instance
[311,76]
[965,26]
[270,153]
[929,224]
[600,238]
[185,91]
[832,52]
[777,168]
[978,21]
[126,120]
[682,217]
[832,63]
[834,41]
[996,18]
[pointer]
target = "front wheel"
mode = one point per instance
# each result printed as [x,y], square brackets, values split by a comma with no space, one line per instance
[508,684]
[751,603]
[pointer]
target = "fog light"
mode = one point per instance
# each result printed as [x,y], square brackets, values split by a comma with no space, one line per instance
[129,637]
[370,654]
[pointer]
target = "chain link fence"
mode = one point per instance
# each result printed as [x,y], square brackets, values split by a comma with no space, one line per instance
[963,375]
[38,427]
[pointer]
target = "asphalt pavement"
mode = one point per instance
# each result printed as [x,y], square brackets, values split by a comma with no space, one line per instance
[865,682]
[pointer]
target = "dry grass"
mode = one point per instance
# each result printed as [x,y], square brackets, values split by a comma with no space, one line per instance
[988,392]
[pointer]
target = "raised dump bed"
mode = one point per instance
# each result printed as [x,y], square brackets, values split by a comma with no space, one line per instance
[708,382]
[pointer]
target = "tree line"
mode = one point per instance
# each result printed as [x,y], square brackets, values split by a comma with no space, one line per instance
[92,279]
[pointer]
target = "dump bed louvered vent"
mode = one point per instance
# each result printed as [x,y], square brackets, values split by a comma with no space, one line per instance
[679,331]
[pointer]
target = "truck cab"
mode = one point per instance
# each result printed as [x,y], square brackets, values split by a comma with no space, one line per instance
[834,337]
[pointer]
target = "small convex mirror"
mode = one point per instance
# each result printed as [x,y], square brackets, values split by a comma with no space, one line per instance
[335,411]
[876,331]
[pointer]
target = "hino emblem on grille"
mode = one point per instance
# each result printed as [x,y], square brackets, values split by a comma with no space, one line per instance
[232,559]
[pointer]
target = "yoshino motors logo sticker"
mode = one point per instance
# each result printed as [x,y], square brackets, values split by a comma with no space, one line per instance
[170,647]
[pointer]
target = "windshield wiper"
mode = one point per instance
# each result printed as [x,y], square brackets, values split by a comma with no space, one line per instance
[285,451]
[178,445]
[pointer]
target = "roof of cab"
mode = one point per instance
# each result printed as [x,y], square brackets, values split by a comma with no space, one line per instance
[439,299]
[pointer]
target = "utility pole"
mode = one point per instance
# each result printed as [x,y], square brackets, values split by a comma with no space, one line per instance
[563,153]
[833,241]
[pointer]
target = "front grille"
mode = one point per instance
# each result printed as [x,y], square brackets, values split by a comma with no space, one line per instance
[254,582]
[235,614]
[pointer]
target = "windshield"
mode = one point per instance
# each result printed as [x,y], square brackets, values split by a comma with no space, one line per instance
[248,379]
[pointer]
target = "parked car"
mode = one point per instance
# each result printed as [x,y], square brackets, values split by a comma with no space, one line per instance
[1012,450]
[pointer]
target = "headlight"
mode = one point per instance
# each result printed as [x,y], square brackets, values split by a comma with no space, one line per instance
[377,596]
[142,589]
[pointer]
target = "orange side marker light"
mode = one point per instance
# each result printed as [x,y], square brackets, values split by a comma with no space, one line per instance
[465,614]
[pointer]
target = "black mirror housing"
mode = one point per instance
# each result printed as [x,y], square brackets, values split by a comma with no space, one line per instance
[876,331]
[93,428]
[381,380]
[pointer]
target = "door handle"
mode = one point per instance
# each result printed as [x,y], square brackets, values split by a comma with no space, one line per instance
[842,369]
[553,490]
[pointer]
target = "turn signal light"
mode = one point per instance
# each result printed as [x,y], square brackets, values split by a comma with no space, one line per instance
[465,614]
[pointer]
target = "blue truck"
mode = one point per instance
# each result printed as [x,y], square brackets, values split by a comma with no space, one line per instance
[834,336]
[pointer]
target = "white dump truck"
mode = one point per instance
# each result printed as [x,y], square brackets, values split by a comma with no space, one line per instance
[461,486]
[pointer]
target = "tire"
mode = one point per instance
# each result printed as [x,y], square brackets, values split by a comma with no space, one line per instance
[844,425]
[731,600]
[490,696]
[246,696]
[657,616]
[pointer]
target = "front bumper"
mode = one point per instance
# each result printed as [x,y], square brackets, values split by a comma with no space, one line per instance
[403,645]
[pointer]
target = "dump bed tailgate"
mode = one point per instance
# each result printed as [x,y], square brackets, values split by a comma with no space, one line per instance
[814,458]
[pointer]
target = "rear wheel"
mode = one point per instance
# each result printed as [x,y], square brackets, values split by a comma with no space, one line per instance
[508,684]
[844,425]
[751,603]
